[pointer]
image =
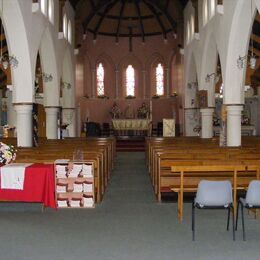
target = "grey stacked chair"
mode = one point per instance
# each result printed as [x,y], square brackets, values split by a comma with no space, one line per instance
[251,201]
[213,195]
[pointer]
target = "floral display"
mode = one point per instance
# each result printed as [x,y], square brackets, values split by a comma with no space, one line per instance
[115,111]
[7,153]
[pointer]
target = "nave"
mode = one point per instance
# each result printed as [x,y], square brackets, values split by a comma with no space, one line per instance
[127,225]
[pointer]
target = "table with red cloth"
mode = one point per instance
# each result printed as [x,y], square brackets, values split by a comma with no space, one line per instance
[39,186]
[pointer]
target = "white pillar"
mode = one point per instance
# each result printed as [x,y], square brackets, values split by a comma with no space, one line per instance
[234,125]
[24,124]
[52,122]
[117,83]
[11,115]
[144,83]
[206,122]
[69,117]
[191,121]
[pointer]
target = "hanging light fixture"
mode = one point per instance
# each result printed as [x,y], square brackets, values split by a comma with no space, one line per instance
[6,60]
[46,77]
[241,61]
[66,85]
[215,76]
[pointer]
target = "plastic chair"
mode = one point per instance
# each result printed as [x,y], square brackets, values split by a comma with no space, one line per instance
[251,201]
[213,195]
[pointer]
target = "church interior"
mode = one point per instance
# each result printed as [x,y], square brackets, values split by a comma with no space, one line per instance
[123,123]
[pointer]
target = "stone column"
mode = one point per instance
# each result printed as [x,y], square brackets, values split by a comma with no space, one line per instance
[206,122]
[11,114]
[69,117]
[24,124]
[117,83]
[234,125]
[191,121]
[52,122]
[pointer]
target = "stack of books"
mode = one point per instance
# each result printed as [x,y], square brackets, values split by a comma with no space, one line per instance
[77,187]
[75,202]
[62,187]
[62,203]
[74,173]
[87,171]
[87,186]
[88,201]
[61,171]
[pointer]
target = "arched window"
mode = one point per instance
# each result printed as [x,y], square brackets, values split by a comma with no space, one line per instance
[100,80]
[212,7]
[65,26]
[51,11]
[69,32]
[44,6]
[130,81]
[159,80]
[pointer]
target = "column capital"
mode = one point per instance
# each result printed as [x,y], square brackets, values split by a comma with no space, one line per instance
[234,108]
[207,111]
[23,107]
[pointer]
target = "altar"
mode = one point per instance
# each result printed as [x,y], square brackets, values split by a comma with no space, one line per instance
[136,126]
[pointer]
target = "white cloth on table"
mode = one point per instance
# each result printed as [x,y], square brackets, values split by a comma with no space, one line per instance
[12,176]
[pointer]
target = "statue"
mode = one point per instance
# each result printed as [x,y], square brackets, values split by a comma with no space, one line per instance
[129,112]
[143,111]
[115,111]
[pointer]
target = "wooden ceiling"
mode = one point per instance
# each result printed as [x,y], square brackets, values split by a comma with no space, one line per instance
[129,18]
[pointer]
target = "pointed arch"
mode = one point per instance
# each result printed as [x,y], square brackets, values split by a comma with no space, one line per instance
[209,66]
[49,66]
[238,43]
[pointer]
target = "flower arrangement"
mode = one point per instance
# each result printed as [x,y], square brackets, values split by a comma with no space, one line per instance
[7,153]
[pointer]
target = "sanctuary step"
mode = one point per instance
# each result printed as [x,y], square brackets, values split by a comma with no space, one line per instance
[133,144]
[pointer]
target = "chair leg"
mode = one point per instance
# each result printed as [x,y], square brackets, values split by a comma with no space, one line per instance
[243,223]
[237,213]
[233,223]
[193,222]
[228,219]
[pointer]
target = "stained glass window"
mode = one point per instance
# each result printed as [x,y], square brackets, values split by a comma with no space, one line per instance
[159,80]
[100,80]
[130,81]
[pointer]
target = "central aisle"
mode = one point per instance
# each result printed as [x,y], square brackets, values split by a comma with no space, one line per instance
[130,183]
[128,225]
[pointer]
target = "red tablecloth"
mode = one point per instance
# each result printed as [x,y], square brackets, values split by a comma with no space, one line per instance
[39,186]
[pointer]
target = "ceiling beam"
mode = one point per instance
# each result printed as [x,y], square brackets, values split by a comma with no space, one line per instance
[157,5]
[154,11]
[102,4]
[108,7]
[140,18]
[120,19]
